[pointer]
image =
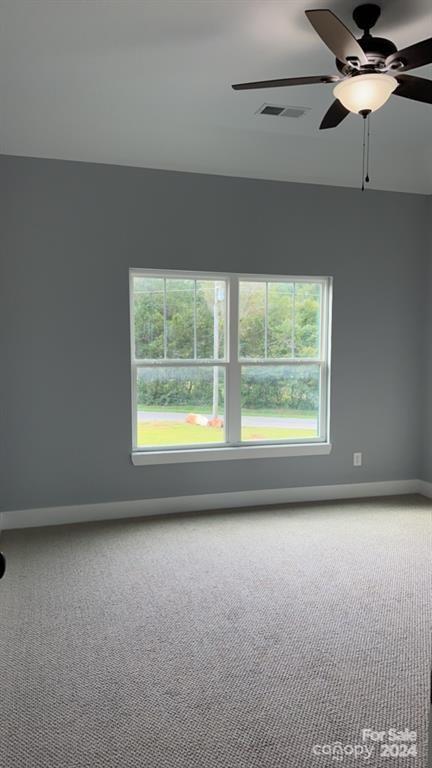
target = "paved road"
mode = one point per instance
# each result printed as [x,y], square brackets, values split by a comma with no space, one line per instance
[248,421]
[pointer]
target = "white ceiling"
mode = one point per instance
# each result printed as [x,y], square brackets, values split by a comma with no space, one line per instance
[147,83]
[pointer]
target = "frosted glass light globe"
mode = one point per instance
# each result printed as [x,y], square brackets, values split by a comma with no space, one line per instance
[365,92]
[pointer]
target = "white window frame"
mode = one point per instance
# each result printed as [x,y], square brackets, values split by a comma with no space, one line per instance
[234,448]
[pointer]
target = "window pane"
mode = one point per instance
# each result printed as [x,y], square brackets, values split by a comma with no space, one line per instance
[280,402]
[280,328]
[180,318]
[148,317]
[210,319]
[307,319]
[180,406]
[252,320]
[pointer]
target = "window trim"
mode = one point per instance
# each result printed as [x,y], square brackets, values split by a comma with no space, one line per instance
[233,448]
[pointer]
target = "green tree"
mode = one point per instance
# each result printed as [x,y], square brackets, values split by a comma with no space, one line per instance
[185,309]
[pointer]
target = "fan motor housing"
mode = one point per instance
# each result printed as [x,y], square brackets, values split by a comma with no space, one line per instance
[377,46]
[376,49]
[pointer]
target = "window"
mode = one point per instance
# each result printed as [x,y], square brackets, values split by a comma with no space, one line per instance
[228,366]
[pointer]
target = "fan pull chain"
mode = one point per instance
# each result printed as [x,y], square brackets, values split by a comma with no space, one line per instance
[366,148]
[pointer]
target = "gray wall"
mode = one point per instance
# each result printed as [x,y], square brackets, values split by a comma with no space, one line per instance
[72,231]
[426,471]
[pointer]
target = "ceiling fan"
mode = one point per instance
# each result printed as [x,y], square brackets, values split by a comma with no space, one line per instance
[371,68]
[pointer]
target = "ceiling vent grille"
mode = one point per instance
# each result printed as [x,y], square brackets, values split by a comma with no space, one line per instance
[282,111]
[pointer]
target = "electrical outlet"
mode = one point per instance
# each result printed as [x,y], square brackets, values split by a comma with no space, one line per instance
[357,459]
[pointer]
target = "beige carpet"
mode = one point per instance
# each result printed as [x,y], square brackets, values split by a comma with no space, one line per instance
[230,640]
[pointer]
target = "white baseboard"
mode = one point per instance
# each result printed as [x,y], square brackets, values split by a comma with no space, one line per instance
[425,488]
[148,507]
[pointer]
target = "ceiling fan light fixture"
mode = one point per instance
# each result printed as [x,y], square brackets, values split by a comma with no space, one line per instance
[365,92]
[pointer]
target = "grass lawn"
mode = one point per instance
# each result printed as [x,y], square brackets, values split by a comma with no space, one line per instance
[282,412]
[178,433]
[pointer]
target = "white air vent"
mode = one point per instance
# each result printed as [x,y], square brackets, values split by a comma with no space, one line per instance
[276,110]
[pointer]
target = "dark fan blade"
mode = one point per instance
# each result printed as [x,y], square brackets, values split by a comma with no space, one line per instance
[416,88]
[284,81]
[336,35]
[334,115]
[414,56]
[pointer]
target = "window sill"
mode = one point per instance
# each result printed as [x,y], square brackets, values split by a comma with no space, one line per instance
[178,456]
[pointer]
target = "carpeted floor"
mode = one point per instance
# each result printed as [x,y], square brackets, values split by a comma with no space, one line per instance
[241,639]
